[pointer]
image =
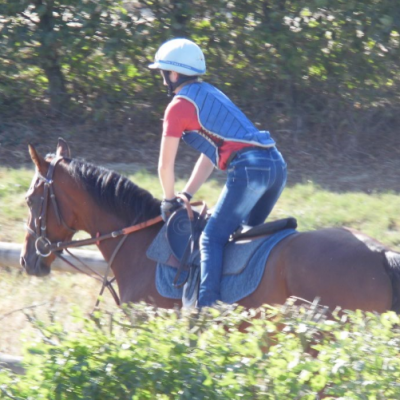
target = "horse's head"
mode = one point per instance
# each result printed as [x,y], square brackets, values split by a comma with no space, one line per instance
[50,219]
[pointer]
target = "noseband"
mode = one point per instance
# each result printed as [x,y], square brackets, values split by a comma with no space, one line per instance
[44,247]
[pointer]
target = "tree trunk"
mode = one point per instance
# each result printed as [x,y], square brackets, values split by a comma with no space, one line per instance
[59,98]
[49,58]
[180,17]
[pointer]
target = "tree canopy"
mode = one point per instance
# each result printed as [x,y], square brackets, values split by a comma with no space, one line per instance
[300,62]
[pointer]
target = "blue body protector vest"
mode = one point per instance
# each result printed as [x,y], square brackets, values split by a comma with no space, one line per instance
[220,120]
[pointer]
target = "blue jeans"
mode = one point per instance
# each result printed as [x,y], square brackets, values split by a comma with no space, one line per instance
[254,183]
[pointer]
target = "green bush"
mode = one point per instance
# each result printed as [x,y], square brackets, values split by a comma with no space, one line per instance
[144,353]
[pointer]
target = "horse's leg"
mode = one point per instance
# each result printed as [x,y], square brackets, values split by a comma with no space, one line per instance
[339,268]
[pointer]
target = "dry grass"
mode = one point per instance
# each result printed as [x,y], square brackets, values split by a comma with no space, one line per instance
[50,297]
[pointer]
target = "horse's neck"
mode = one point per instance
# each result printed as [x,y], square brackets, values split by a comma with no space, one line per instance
[134,272]
[100,224]
[96,223]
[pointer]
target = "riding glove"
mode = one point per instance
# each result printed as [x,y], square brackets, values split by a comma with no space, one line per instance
[168,207]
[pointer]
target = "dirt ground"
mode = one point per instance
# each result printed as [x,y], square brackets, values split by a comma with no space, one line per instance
[372,167]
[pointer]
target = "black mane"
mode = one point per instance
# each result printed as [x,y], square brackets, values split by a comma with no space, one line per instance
[115,193]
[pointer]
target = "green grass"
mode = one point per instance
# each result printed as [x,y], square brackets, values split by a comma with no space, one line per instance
[13,211]
[377,215]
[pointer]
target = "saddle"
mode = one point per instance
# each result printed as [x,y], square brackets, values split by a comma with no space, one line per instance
[176,249]
[183,233]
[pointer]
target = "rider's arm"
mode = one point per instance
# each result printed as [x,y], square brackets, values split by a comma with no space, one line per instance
[179,116]
[166,163]
[201,171]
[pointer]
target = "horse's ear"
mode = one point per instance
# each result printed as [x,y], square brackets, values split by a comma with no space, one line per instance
[63,149]
[37,159]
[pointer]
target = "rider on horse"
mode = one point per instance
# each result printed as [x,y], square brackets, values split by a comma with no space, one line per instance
[212,124]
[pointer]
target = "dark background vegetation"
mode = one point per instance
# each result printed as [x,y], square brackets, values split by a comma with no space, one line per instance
[321,75]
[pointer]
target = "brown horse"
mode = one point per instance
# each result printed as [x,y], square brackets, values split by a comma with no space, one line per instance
[343,267]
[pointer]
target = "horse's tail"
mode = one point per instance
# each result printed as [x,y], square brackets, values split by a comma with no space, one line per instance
[392,264]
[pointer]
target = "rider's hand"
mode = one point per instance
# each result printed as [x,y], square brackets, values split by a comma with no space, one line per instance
[168,207]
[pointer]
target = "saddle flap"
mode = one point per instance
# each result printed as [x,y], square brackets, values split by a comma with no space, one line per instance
[169,245]
[236,254]
[180,230]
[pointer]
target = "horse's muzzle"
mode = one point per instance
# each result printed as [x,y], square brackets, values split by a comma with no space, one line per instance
[39,268]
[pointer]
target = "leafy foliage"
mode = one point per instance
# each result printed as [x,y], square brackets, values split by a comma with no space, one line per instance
[144,353]
[297,64]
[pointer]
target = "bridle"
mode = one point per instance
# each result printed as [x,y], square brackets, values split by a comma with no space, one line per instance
[42,243]
[44,247]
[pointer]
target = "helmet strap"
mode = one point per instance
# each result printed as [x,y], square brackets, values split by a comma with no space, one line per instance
[173,85]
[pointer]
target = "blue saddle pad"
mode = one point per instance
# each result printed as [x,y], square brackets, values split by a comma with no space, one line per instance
[243,266]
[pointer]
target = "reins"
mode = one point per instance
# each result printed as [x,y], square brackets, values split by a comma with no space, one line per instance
[44,248]
[112,235]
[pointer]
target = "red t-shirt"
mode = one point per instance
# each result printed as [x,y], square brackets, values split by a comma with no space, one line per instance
[181,115]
